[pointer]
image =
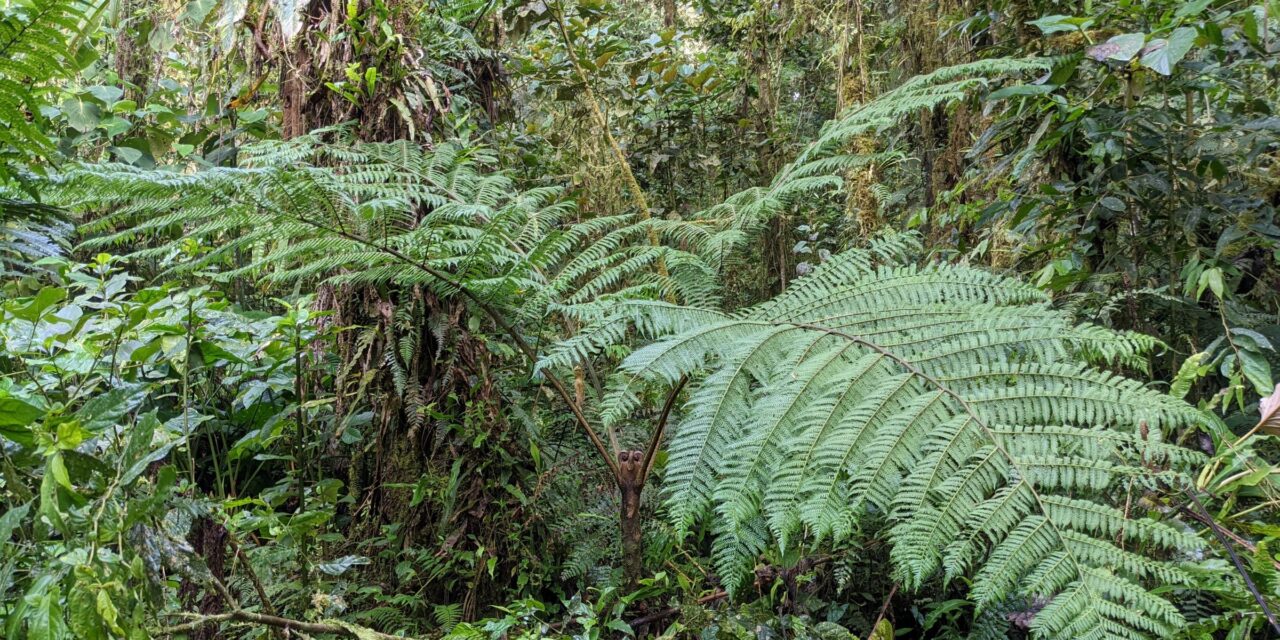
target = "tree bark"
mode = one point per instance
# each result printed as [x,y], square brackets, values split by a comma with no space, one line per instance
[631,476]
[208,540]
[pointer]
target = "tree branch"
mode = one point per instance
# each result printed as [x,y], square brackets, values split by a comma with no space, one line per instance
[336,628]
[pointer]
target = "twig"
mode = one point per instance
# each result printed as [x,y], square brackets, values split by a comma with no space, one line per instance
[883,608]
[1240,540]
[240,615]
[1222,539]
[253,577]
[628,176]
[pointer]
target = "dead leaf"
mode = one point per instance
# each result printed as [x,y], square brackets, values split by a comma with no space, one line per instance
[1269,407]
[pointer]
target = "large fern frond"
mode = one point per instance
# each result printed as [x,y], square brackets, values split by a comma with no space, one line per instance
[318,209]
[33,50]
[822,163]
[952,407]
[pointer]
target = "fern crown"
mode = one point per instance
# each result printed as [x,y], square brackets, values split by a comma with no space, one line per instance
[953,407]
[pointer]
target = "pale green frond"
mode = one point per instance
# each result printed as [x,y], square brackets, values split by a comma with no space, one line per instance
[953,407]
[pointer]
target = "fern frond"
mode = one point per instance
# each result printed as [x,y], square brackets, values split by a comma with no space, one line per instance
[33,50]
[819,166]
[951,407]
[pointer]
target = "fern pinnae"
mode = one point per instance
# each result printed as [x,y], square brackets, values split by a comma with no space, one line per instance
[753,457]
[885,459]
[821,506]
[784,489]
[962,443]
[702,433]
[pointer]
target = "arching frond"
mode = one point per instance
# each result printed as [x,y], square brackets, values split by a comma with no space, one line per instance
[953,408]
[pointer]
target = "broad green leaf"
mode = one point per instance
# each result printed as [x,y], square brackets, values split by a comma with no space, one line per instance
[1059,23]
[1257,370]
[70,434]
[107,612]
[140,438]
[11,519]
[106,409]
[81,607]
[82,115]
[1022,90]
[197,11]
[49,500]
[16,418]
[58,469]
[106,93]
[290,13]
[1189,9]
[1113,203]
[45,622]
[115,126]
[213,352]
[1122,47]
[139,466]
[1212,279]
[1162,55]
[47,297]
[128,155]
[161,40]
[233,11]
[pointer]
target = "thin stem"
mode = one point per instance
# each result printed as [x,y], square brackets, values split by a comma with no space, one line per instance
[651,451]
[1235,559]
[628,176]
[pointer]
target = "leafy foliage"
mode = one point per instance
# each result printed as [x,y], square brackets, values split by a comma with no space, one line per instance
[950,406]
[822,162]
[30,231]
[355,214]
[908,439]
[33,50]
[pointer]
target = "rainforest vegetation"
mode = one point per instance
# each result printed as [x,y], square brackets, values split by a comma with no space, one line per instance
[490,319]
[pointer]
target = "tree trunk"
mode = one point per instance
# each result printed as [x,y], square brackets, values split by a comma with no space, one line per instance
[630,486]
[208,541]
[133,56]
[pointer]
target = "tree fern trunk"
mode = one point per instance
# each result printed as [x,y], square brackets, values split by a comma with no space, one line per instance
[630,486]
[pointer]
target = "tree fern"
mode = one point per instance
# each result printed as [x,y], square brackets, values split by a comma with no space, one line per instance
[321,204]
[321,207]
[820,165]
[33,50]
[950,407]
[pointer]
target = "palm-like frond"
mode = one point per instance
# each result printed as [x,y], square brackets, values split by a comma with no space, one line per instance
[821,164]
[308,209]
[951,406]
[33,49]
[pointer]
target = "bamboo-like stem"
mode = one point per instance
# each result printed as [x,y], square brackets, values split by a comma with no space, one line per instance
[628,176]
